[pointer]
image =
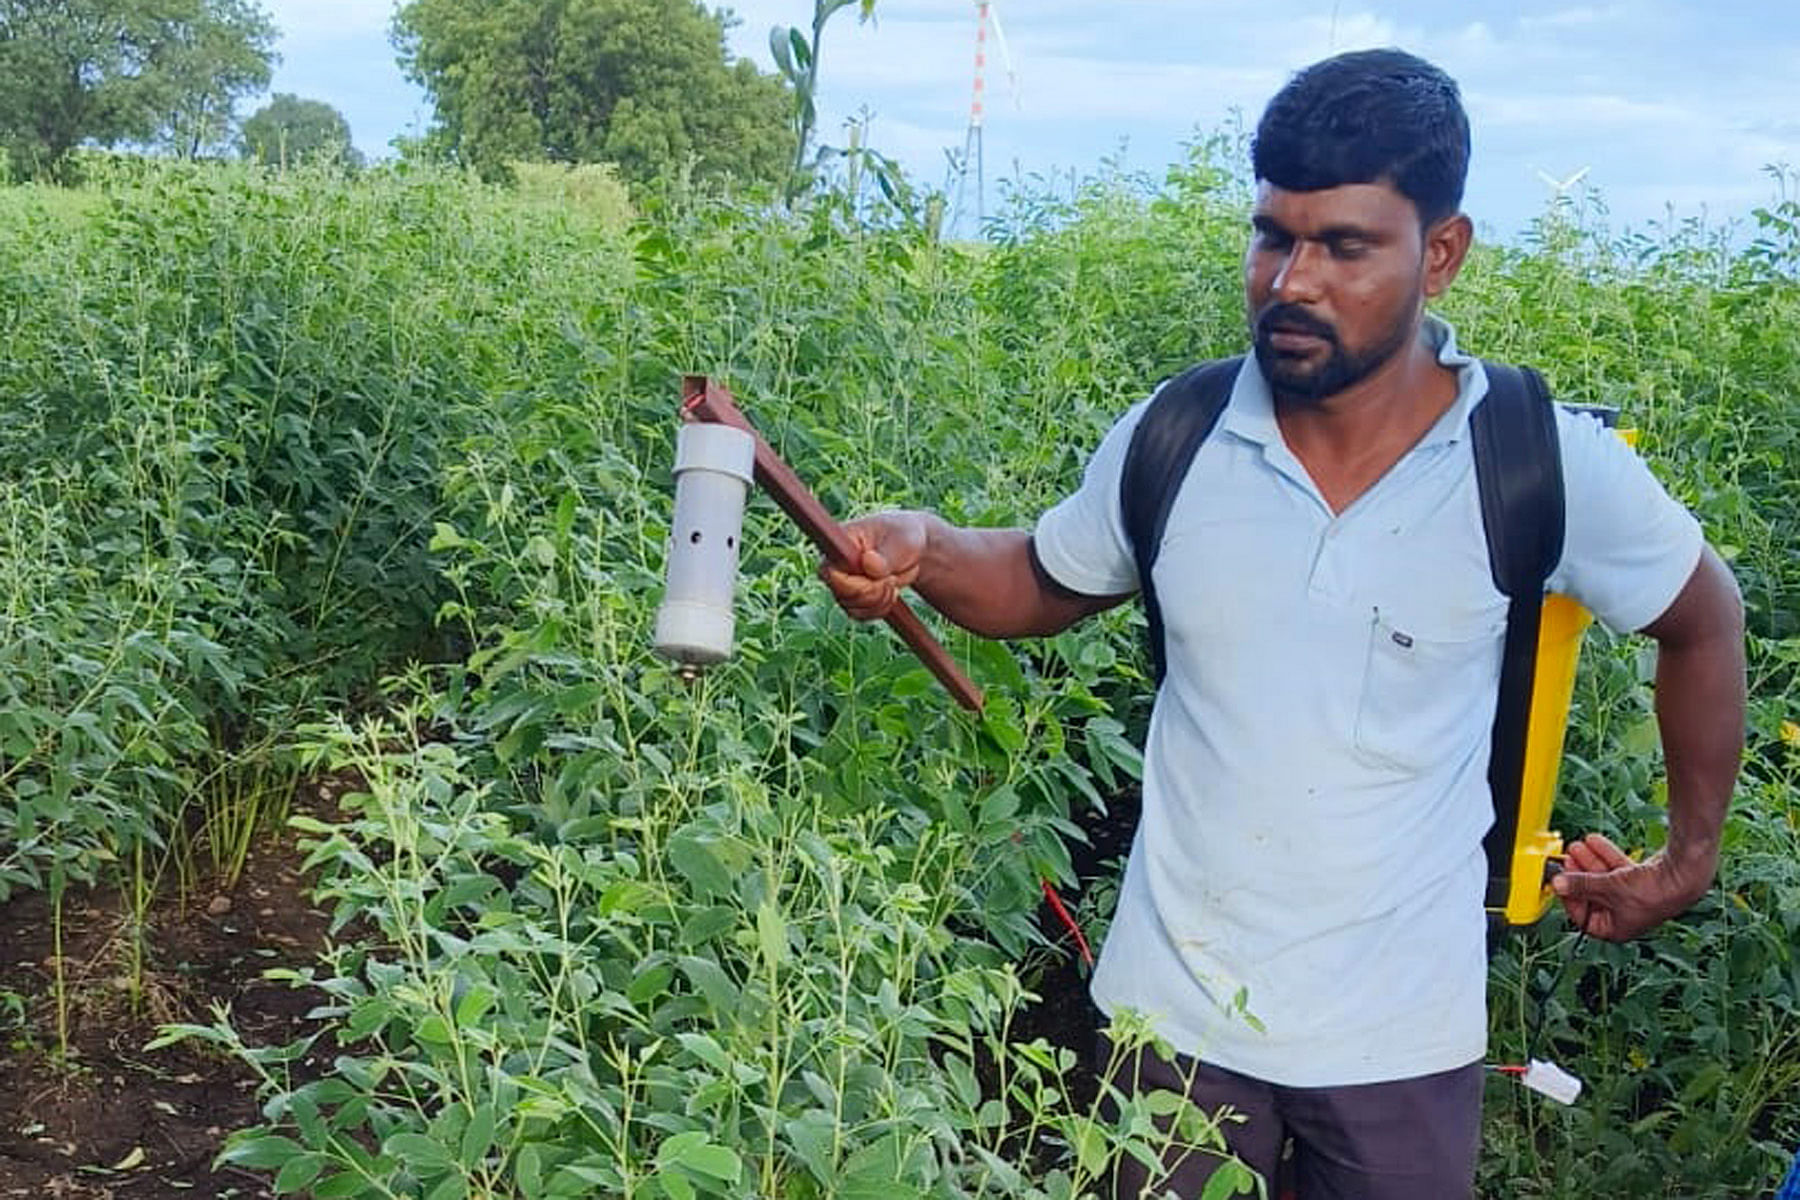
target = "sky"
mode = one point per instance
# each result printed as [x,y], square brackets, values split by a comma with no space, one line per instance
[1667,109]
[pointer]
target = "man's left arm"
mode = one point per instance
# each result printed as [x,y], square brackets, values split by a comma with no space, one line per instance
[1700,701]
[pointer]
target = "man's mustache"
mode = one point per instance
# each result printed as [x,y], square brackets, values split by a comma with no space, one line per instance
[1291,318]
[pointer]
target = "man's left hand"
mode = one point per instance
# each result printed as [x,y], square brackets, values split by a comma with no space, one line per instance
[1615,898]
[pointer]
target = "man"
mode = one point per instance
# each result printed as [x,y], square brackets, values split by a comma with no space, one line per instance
[1315,786]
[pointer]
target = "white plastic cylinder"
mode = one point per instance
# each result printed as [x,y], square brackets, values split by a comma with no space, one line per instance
[713,470]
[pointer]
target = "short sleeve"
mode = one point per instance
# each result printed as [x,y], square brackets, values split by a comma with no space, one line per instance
[1081,541]
[1629,546]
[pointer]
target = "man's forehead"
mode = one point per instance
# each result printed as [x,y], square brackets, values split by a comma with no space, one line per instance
[1359,205]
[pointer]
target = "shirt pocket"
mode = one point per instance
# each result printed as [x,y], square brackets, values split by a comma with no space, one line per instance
[1427,691]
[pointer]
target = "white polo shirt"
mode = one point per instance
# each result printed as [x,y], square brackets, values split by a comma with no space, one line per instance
[1304,898]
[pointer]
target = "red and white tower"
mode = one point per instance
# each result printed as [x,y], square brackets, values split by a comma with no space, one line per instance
[986,17]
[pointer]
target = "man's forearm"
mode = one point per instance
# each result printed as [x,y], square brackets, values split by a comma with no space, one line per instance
[1700,711]
[984,580]
[1700,704]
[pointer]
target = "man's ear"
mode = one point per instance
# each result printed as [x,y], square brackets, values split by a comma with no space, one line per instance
[1446,246]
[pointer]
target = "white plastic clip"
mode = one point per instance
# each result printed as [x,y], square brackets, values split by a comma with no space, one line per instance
[1552,1081]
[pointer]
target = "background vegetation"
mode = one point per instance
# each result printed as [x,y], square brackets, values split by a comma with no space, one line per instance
[644,84]
[290,130]
[164,75]
[303,472]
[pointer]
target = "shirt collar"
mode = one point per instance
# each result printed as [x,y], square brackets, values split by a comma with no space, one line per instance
[1250,413]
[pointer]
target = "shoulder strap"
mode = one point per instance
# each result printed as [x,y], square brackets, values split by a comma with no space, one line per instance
[1518,469]
[1179,418]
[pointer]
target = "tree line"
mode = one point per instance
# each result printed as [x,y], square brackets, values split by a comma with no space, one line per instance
[647,85]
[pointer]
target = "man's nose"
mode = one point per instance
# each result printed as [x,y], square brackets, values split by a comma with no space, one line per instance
[1298,278]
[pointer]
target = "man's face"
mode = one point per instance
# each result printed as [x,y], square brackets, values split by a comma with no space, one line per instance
[1335,283]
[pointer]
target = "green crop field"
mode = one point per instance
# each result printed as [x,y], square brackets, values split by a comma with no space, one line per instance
[306,474]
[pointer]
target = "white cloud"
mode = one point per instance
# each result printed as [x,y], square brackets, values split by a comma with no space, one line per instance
[1594,115]
[1582,17]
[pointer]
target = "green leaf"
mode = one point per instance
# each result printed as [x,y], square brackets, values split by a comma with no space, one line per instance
[694,858]
[879,1171]
[771,935]
[262,1153]
[1089,1143]
[778,49]
[1231,1179]
[299,1172]
[445,537]
[340,1186]
[706,925]
[713,983]
[478,1138]
[423,1154]
[433,1029]
[962,1078]
[706,1050]
[450,1187]
[813,1136]
[528,1172]
[713,1161]
[648,984]
[999,807]
[474,1005]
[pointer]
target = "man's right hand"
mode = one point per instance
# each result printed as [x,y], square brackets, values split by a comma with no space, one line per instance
[891,549]
[982,579]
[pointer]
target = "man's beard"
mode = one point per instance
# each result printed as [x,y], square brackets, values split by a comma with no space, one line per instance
[1293,381]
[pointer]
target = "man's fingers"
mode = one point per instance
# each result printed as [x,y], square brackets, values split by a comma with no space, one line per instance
[1584,857]
[874,564]
[1604,904]
[1596,854]
[883,563]
[1577,857]
[1592,888]
[1609,855]
[1575,885]
[860,596]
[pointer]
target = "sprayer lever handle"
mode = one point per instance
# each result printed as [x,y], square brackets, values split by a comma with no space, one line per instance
[708,401]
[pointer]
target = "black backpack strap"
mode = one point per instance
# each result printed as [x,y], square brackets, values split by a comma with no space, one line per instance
[1518,468]
[1179,418]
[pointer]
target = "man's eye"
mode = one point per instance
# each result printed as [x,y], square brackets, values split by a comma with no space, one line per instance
[1349,248]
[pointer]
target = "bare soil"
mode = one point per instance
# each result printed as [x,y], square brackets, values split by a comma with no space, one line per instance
[110,1120]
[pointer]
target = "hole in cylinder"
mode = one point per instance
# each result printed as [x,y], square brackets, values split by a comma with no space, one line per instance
[730,543]
[694,537]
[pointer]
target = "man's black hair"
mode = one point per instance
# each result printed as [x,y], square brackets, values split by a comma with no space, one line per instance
[1369,116]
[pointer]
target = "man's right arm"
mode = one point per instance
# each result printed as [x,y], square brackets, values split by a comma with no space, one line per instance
[986,580]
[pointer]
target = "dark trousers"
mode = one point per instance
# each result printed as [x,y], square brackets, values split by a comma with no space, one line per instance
[1411,1139]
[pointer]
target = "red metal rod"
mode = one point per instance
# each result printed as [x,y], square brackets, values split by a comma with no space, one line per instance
[704,400]
[1062,912]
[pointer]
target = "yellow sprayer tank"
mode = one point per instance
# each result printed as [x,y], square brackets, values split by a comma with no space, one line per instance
[1535,844]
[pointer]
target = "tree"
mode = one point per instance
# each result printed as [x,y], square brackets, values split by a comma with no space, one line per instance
[152,72]
[290,130]
[224,52]
[647,84]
